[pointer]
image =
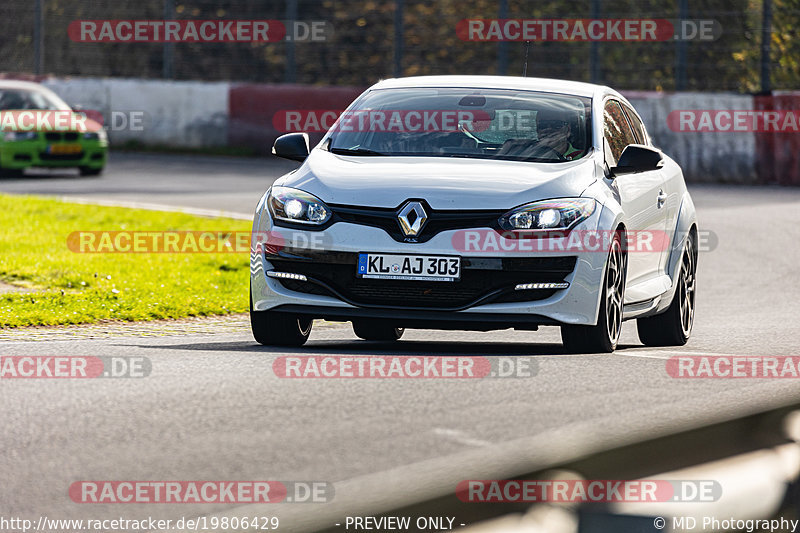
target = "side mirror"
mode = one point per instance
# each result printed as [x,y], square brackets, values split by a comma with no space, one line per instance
[292,146]
[638,158]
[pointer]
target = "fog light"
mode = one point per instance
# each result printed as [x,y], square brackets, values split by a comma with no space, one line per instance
[526,286]
[286,275]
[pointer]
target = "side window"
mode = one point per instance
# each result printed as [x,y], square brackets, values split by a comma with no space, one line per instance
[636,124]
[617,131]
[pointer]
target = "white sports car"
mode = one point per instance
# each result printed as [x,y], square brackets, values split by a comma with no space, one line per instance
[478,203]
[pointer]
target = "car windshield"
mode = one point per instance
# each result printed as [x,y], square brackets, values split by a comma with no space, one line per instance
[472,123]
[16,99]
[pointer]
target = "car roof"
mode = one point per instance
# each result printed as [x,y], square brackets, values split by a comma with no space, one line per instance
[31,86]
[576,88]
[18,84]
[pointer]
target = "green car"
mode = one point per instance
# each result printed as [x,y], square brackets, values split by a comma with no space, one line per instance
[38,129]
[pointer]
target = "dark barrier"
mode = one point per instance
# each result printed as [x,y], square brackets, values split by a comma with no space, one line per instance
[778,152]
[252,108]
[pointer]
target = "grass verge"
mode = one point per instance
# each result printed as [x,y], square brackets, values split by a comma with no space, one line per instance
[76,288]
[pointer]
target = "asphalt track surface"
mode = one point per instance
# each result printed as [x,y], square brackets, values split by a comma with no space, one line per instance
[212,408]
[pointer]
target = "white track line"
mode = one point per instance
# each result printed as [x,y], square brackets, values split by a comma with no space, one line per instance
[666,354]
[460,437]
[213,213]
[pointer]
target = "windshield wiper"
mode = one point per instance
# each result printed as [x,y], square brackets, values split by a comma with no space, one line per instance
[354,151]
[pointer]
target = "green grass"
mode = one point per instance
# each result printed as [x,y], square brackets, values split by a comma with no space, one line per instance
[76,288]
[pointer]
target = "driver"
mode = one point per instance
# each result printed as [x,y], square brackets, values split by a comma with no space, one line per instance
[554,133]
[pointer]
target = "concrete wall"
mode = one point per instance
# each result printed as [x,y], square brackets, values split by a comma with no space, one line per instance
[186,114]
[719,157]
[199,114]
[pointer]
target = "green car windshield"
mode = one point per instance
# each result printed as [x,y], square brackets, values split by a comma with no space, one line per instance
[21,99]
[468,123]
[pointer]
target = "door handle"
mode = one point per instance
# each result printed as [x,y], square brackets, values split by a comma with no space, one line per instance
[662,199]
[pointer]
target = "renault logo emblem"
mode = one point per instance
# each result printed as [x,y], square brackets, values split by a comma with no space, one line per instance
[412,218]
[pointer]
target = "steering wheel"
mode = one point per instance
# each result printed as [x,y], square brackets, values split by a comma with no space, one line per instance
[547,152]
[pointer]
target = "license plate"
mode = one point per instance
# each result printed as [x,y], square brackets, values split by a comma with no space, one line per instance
[409,267]
[64,149]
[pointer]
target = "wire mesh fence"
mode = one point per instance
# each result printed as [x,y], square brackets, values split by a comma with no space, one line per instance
[373,39]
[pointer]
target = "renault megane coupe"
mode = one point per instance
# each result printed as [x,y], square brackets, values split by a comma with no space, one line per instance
[477,203]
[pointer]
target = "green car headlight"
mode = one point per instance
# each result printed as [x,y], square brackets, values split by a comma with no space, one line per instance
[13,136]
[99,135]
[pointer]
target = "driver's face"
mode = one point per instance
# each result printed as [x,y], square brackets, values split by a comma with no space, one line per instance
[554,134]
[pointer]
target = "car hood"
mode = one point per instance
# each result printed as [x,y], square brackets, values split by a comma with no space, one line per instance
[445,183]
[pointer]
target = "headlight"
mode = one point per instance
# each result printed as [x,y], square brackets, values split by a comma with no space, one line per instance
[561,214]
[294,205]
[99,135]
[20,135]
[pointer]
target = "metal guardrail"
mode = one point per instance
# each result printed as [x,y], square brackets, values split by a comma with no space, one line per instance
[755,459]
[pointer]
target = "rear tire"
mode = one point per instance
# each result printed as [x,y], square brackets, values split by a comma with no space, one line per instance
[376,330]
[278,329]
[603,337]
[88,171]
[673,327]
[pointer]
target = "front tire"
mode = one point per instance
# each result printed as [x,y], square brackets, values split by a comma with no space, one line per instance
[673,327]
[278,329]
[376,330]
[12,172]
[89,171]
[603,337]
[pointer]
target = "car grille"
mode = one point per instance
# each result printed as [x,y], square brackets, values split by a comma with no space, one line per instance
[58,136]
[483,280]
[438,221]
[44,156]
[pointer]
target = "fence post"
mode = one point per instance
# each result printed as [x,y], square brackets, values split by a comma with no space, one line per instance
[766,44]
[168,60]
[680,56]
[291,62]
[398,38]
[38,38]
[502,46]
[594,48]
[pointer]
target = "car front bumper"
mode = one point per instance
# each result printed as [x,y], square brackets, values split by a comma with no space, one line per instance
[484,298]
[34,153]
